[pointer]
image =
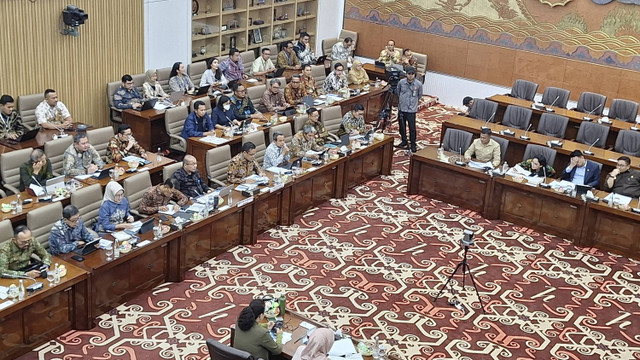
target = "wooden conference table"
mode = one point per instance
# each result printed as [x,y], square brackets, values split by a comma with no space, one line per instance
[43,136]
[587,224]
[575,117]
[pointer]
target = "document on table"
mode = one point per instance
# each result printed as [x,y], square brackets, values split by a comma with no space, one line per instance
[216,140]
[342,347]
[355,356]
[480,165]
[278,170]
[620,199]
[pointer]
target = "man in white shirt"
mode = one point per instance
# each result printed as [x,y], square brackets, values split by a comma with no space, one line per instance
[52,113]
[277,152]
[263,65]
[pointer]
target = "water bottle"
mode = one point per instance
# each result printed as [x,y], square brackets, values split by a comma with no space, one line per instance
[159,157]
[19,203]
[56,275]
[613,196]
[326,157]
[376,348]
[21,291]
[377,83]
[116,249]
[505,167]
[282,301]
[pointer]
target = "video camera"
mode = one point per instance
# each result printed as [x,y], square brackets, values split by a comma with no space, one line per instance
[72,16]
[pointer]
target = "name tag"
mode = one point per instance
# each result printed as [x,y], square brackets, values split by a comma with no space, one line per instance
[244,202]
[277,187]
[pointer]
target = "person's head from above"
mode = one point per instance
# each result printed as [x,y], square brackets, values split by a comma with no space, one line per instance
[124,132]
[71,216]
[347,42]
[358,110]
[38,157]
[190,164]
[538,162]
[624,163]
[338,68]
[411,73]
[287,46]
[239,91]
[177,69]
[114,192]
[151,76]
[407,52]
[127,82]
[274,86]
[81,142]
[51,97]
[309,132]
[391,45]
[7,104]
[314,114]
[304,38]
[266,53]
[306,70]
[278,139]
[213,64]
[166,188]
[22,236]
[320,342]
[295,81]
[224,103]
[485,136]
[249,150]
[200,108]
[467,101]
[578,158]
[251,314]
[234,54]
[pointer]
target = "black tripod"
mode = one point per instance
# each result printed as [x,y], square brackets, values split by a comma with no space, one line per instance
[384,116]
[465,270]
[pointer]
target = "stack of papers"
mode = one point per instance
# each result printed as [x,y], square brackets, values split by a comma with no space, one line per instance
[214,140]
[480,165]
[278,170]
[343,347]
[246,187]
[619,199]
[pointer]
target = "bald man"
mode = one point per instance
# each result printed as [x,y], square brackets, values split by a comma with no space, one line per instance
[189,179]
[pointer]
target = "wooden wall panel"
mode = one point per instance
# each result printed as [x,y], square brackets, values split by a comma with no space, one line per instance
[498,65]
[36,56]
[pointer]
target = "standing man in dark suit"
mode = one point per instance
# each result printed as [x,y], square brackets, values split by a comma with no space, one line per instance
[581,171]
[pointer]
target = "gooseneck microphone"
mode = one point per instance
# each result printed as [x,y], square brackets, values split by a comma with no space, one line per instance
[525,137]
[548,108]
[588,118]
[590,146]
[488,121]
[460,161]
[37,182]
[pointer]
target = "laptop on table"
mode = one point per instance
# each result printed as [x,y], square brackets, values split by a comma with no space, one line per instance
[344,141]
[54,184]
[276,74]
[88,248]
[148,104]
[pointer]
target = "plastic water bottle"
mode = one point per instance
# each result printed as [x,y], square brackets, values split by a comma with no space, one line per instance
[611,200]
[19,203]
[56,276]
[326,157]
[116,249]
[282,302]
[21,290]
[505,167]
[376,348]
[159,157]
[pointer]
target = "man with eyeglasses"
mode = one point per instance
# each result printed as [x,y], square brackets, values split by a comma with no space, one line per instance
[127,96]
[123,144]
[243,165]
[81,158]
[294,92]
[389,55]
[287,58]
[68,233]
[242,106]
[263,65]
[273,99]
[189,181]
[17,254]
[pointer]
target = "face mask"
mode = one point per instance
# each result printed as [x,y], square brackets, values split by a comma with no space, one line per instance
[226,107]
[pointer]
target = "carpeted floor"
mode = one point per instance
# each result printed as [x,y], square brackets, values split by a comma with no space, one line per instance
[371,264]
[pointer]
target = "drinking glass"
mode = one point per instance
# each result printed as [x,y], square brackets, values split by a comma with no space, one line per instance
[14,205]
[109,252]
[51,275]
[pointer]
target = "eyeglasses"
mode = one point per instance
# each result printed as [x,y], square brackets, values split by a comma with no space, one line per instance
[74,219]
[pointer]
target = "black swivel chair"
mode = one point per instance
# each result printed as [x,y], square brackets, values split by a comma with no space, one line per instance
[218,351]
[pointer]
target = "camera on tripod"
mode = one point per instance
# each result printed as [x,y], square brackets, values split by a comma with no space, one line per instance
[393,76]
[467,239]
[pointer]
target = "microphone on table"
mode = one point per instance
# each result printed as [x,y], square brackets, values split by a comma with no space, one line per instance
[31,288]
[544,184]
[459,161]
[525,137]
[587,118]
[589,152]
[484,126]
[548,108]
[37,182]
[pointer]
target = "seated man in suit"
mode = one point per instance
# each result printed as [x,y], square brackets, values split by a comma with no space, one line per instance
[11,125]
[241,104]
[198,123]
[81,158]
[123,144]
[485,149]
[294,92]
[622,180]
[127,96]
[304,141]
[581,171]
[68,233]
[16,254]
[189,181]
[37,170]
[243,165]
[157,198]
[287,57]
[273,98]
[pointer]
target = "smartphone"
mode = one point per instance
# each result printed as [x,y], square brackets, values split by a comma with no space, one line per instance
[163,218]
[27,201]
[77,258]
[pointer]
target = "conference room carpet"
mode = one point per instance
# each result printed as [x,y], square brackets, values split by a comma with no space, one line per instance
[371,264]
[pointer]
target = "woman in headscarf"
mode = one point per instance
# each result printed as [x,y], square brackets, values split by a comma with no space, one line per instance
[357,74]
[151,87]
[320,342]
[114,211]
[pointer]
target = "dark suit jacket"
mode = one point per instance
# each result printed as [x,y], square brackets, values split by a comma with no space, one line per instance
[591,174]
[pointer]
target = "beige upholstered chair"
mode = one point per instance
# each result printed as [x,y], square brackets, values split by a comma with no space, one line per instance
[217,162]
[99,138]
[163,78]
[54,150]
[332,118]
[255,94]
[168,170]
[298,122]
[284,129]
[138,80]
[327,44]
[10,168]
[6,231]
[207,104]
[319,75]
[134,188]
[40,220]
[348,33]
[173,123]
[421,65]
[247,59]
[257,138]
[88,201]
[115,113]
[195,71]
[27,108]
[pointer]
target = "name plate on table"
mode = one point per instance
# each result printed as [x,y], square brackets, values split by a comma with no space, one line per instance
[244,202]
[216,140]
[276,187]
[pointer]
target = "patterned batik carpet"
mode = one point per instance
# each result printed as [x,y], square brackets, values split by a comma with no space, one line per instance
[371,264]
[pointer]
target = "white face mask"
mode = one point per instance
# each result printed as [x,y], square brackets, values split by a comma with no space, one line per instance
[226,107]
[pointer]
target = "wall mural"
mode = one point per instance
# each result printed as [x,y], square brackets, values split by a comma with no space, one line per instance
[600,31]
